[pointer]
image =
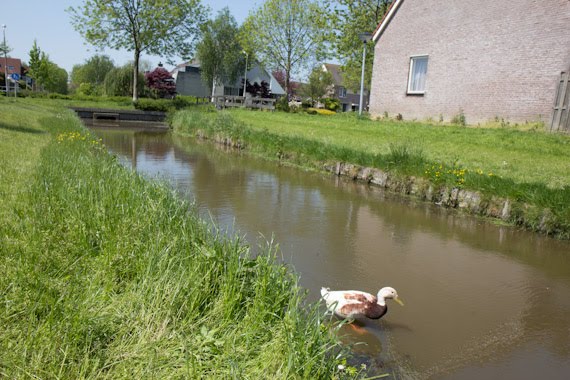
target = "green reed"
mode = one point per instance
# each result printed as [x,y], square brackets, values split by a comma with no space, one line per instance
[105,274]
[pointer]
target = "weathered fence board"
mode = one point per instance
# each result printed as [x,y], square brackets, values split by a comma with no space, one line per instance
[228,101]
[560,115]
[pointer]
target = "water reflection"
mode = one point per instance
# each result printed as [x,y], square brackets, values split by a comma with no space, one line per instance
[480,298]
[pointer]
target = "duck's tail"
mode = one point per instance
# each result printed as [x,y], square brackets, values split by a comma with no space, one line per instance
[324,292]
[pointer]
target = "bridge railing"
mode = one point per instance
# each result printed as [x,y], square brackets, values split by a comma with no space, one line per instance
[232,101]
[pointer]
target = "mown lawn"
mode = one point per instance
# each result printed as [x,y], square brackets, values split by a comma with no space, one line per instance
[523,156]
[104,274]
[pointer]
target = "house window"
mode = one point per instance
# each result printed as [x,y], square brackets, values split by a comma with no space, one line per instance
[418,73]
[342,92]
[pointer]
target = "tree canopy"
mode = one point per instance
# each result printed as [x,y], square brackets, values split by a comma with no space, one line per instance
[342,21]
[159,27]
[47,75]
[119,82]
[320,82]
[160,83]
[283,35]
[219,52]
[92,72]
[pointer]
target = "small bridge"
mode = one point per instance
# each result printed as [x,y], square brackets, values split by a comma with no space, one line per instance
[116,116]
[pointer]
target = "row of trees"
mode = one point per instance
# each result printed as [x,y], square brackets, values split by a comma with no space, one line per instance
[285,35]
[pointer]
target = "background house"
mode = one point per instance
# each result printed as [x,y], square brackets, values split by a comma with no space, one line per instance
[189,82]
[349,100]
[485,58]
[14,66]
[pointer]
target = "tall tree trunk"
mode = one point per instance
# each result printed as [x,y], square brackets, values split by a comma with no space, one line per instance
[136,76]
[288,77]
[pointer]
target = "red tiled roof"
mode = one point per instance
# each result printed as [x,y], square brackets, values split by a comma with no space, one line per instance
[386,19]
[14,65]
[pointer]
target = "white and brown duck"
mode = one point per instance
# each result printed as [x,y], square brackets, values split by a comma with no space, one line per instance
[352,304]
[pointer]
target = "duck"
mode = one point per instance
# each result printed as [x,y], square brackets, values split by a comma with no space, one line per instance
[352,304]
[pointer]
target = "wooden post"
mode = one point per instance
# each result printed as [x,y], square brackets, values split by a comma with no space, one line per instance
[561,103]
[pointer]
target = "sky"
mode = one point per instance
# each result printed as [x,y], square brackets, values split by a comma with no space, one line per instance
[48,22]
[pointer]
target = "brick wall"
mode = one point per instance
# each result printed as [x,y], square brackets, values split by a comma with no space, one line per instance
[488,58]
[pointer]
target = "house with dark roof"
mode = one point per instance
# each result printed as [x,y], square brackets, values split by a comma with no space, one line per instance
[349,100]
[484,59]
[189,81]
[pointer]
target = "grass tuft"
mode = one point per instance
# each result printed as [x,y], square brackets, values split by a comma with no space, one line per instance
[104,274]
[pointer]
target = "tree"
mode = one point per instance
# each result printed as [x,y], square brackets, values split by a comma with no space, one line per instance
[342,21]
[119,82]
[257,90]
[219,52]
[92,72]
[279,76]
[46,75]
[35,62]
[5,49]
[320,82]
[57,78]
[158,27]
[160,82]
[282,33]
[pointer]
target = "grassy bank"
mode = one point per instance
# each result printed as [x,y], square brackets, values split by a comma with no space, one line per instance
[104,274]
[530,168]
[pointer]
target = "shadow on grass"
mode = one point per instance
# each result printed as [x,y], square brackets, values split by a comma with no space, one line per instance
[18,128]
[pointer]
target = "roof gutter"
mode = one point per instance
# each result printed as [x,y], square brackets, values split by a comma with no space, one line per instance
[386,20]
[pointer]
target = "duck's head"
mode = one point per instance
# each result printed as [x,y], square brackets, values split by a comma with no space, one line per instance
[389,293]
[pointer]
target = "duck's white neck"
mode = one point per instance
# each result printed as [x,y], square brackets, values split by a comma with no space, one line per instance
[381,299]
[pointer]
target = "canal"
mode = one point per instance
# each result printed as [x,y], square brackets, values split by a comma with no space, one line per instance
[481,301]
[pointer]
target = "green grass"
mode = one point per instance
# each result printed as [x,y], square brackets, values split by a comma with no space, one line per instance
[528,167]
[522,156]
[104,274]
[87,102]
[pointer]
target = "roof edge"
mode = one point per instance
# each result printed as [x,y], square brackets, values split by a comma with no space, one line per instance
[386,19]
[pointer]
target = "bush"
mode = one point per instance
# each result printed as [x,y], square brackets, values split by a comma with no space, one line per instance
[332,104]
[320,111]
[161,105]
[88,89]
[282,104]
[165,105]
[55,95]
[181,101]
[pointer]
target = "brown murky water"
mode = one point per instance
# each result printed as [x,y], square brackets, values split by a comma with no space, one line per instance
[482,301]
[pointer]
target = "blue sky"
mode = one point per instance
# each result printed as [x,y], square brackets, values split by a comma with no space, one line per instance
[49,23]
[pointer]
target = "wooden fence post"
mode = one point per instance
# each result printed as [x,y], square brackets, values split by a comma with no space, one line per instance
[560,115]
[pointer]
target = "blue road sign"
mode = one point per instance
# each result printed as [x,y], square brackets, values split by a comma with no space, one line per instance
[15,76]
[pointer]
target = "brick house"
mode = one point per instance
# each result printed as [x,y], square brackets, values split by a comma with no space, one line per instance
[485,58]
[14,66]
[349,99]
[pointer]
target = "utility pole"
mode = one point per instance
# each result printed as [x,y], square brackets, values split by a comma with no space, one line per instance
[5,60]
[245,72]
[365,38]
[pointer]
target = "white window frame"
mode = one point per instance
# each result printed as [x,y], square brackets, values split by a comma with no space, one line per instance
[342,92]
[413,59]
